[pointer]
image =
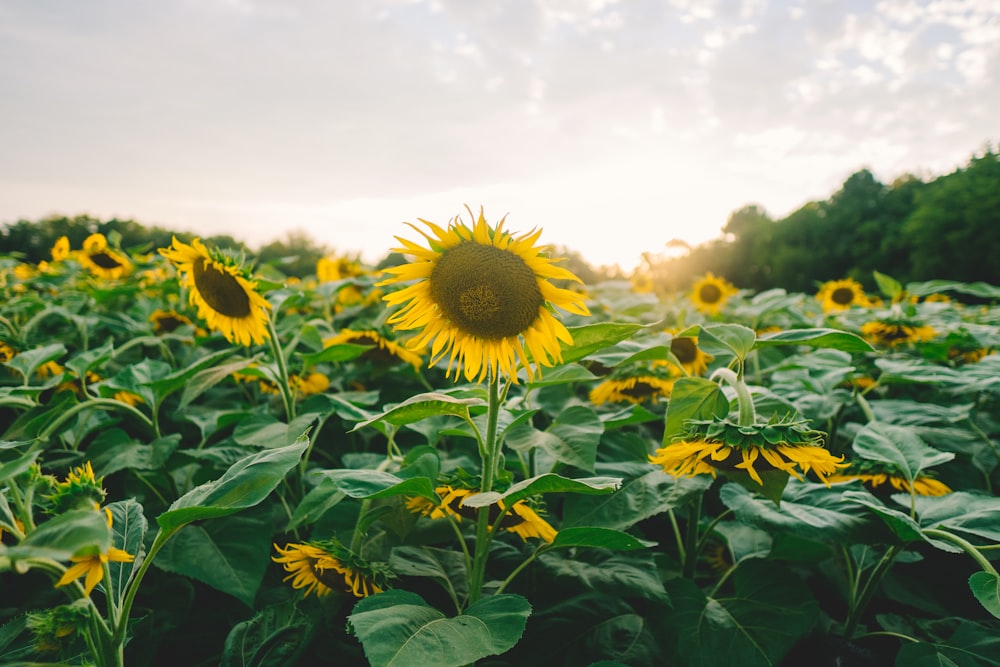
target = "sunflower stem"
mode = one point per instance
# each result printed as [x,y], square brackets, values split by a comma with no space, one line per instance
[691,539]
[868,591]
[517,570]
[748,415]
[966,546]
[490,447]
[279,358]
[118,638]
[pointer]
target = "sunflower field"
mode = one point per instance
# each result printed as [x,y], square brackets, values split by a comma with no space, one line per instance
[467,456]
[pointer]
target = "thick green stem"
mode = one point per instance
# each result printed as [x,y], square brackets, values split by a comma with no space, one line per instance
[868,591]
[126,609]
[517,570]
[966,546]
[748,415]
[490,463]
[279,358]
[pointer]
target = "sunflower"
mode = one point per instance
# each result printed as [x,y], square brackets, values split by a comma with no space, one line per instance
[6,352]
[449,495]
[892,334]
[309,384]
[330,269]
[227,301]
[642,282]
[525,522]
[635,389]
[93,566]
[60,249]
[322,567]
[383,350]
[481,296]
[522,520]
[923,485]
[693,360]
[102,261]
[80,489]
[168,321]
[710,293]
[780,444]
[838,295]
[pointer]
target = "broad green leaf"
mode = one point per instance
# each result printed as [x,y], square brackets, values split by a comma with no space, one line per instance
[229,554]
[590,338]
[265,430]
[807,510]
[27,362]
[206,378]
[692,398]
[72,533]
[578,431]
[562,375]
[598,538]
[745,541]
[379,484]
[735,339]
[321,498]
[980,289]
[921,654]
[547,483]
[970,645]
[638,499]
[85,361]
[773,487]
[905,528]
[334,353]
[247,482]
[444,566]
[917,371]
[275,637]
[755,626]
[961,511]
[398,628]
[18,466]
[887,285]
[178,379]
[898,446]
[617,575]
[820,337]
[129,525]
[986,587]
[422,406]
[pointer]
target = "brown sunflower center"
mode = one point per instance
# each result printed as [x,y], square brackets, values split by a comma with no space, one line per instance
[842,296]
[104,260]
[325,575]
[170,323]
[485,291]
[220,290]
[710,293]
[640,389]
[684,348]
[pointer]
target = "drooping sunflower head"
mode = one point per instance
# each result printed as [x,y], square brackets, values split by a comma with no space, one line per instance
[80,490]
[878,476]
[225,298]
[642,387]
[838,295]
[896,333]
[102,260]
[482,296]
[325,566]
[710,293]
[60,249]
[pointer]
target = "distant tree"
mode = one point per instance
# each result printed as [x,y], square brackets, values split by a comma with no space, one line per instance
[295,255]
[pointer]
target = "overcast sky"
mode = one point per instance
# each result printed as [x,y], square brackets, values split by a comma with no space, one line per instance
[615,126]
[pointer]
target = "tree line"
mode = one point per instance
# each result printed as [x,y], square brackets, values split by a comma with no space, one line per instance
[944,228]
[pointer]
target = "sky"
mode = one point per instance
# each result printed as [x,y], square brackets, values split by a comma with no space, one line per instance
[616,126]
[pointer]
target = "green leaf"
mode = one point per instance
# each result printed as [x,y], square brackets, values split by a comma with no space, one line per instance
[73,533]
[980,289]
[613,574]
[734,339]
[564,374]
[986,587]
[638,499]
[334,353]
[887,285]
[247,482]
[83,362]
[961,511]
[598,538]
[18,466]
[898,446]
[547,483]
[692,398]
[275,637]
[203,380]
[177,380]
[921,654]
[398,628]
[129,525]
[267,431]
[811,511]
[422,406]
[590,338]
[819,337]
[755,626]
[229,554]
[379,484]
[905,528]
[577,431]
[444,566]
[27,362]
[315,504]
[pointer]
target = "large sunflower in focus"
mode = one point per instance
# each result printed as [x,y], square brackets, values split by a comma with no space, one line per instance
[483,297]
[227,301]
[710,293]
[102,260]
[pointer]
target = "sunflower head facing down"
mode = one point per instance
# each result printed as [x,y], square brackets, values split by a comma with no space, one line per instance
[482,296]
[322,567]
[710,293]
[226,300]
